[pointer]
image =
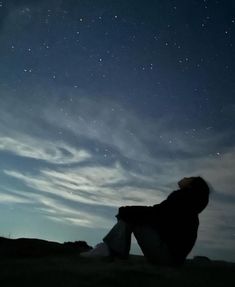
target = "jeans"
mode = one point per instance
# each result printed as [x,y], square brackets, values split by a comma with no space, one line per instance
[153,248]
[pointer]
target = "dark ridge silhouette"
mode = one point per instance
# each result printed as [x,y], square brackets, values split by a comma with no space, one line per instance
[27,247]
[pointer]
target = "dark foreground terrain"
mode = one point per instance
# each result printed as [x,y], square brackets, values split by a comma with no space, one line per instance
[76,271]
[69,269]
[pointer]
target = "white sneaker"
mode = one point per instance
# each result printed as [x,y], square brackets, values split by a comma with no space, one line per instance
[100,250]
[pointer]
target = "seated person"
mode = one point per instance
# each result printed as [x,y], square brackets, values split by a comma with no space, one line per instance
[165,232]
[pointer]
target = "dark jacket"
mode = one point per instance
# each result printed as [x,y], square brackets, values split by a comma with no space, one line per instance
[175,219]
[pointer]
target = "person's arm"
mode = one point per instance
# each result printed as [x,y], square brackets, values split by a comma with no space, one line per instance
[136,214]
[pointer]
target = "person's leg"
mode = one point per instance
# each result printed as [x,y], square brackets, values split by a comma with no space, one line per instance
[115,244]
[118,239]
[153,248]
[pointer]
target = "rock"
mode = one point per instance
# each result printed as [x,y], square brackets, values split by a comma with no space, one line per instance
[82,246]
[201,259]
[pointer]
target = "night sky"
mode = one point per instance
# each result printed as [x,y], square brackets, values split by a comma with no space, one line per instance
[106,103]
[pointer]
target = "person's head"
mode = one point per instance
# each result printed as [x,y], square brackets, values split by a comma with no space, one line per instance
[194,182]
[199,191]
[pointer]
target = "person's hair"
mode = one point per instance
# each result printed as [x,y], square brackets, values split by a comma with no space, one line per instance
[199,183]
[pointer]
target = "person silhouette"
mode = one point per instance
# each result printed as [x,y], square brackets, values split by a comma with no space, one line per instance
[165,232]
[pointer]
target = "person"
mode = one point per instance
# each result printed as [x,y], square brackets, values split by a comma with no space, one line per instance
[165,232]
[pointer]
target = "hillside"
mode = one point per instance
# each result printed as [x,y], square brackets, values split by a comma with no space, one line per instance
[74,271]
[34,262]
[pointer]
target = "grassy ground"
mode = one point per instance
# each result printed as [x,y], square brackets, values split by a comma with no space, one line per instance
[72,271]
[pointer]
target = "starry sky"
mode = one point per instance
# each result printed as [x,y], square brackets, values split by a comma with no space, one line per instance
[106,103]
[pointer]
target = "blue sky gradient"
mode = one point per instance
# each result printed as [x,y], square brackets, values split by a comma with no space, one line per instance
[110,103]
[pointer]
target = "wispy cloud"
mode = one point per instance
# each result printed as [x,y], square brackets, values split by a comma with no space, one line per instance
[55,153]
[90,185]
[12,198]
[55,209]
